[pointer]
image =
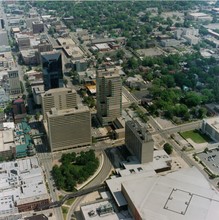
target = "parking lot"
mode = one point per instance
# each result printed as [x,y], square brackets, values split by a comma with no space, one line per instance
[211,159]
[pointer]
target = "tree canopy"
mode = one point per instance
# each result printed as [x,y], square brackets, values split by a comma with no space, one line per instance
[74,169]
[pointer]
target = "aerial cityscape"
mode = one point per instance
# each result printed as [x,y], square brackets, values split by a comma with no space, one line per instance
[109,110]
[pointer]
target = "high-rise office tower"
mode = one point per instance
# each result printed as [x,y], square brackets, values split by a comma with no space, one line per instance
[109,96]
[52,69]
[61,98]
[14,82]
[139,142]
[69,128]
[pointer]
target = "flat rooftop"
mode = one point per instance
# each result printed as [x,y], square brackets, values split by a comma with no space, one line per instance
[213,122]
[109,216]
[103,46]
[57,90]
[198,14]
[55,112]
[181,195]
[65,41]
[115,186]
[23,181]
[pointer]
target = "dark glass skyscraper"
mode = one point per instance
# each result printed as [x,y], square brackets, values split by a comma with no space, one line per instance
[52,69]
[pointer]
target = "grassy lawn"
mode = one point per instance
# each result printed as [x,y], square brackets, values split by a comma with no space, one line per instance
[60,197]
[64,212]
[70,201]
[196,136]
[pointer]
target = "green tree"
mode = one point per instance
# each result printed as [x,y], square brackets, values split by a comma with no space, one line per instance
[202,112]
[51,31]
[132,63]
[22,87]
[192,99]
[168,148]
[65,81]
[120,54]
[37,116]
[168,80]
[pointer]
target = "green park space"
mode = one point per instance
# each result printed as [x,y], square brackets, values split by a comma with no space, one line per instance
[195,136]
[64,212]
[69,201]
[74,169]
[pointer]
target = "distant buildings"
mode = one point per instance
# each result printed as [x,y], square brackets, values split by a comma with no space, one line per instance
[52,69]
[23,141]
[3,38]
[38,27]
[7,144]
[29,56]
[18,106]
[199,16]
[107,44]
[14,82]
[139,142]
[29,22]
[6,60]
[192,40]
[44,46]
[109,96]
[189,34]
[19,110]
[69,127]
[70,49]
[37,94]
[169,43]
[23,41]
[16,141]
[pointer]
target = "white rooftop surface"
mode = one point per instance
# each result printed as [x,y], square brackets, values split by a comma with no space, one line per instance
[160,160]
[74,51]
[214,122]
[212,26]
[198,14]
[8,125]
[3,73]
[103,46]
[66,41]
[205,54]
[110,216]
[181,195]
[23,180]
[6,140]
[8,136]
[115,185]
[34,42]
